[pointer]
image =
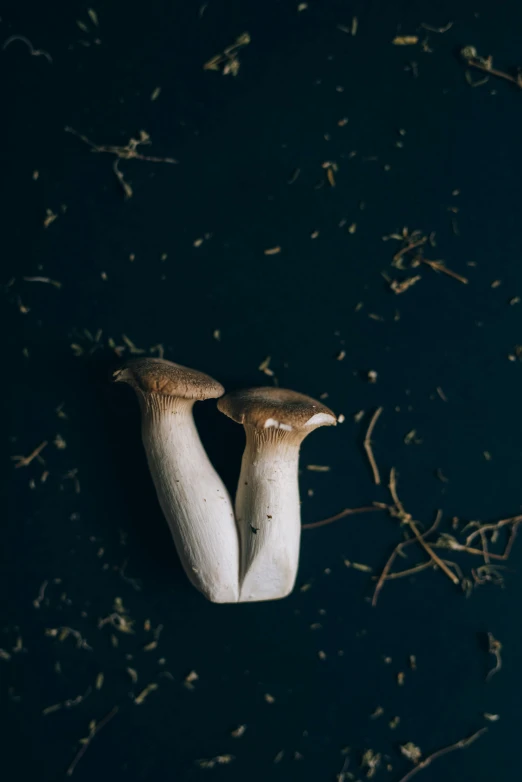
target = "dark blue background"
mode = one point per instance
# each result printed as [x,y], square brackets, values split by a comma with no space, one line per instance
[238,141]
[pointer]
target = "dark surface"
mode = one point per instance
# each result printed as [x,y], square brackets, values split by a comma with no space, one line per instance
[238,141]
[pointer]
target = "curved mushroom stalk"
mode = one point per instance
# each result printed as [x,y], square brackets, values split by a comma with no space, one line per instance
[268,516]
[267,501]
[192,496]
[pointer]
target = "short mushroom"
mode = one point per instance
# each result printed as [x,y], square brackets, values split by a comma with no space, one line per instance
[268,515]
[192,496]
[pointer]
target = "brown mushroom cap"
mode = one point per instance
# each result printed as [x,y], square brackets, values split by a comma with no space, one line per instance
[158,376]
[278,408]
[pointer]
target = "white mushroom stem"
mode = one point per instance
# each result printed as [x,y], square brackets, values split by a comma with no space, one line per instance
[268,514]
[192,496]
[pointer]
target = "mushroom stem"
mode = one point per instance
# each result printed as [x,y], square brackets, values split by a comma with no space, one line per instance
[268,517]
[192,497]
[191,494]
[276,421]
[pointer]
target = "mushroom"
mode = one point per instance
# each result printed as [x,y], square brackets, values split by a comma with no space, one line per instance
[276,422]
[192,496]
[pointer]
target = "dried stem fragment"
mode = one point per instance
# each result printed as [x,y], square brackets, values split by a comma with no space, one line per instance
[94,729]
[462,744]
[439,266]
[406,517]
[485,64]
[127,152]
[34,52]
[25,461]
[399,548]
[341,515]
[367,444]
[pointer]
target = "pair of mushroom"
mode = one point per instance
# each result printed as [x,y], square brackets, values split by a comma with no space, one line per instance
[254,553]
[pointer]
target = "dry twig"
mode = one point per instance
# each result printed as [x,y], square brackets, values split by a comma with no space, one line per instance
[368,446]
[228,61]
[406,518]
[48,280]
[411,571]
[412,244]
[439,266]
[127,152]
[399,548]
[462,744]
[515,520]
[341,515]
[32,50]
[25,461]
[94,729]
[485,64]
[431,29]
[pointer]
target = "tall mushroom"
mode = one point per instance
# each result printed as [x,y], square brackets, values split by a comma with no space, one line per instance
[268,515]
[192,496]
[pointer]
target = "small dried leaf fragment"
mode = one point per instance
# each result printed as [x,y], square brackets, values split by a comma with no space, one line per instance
[189,679]
[411,751]
[239,731]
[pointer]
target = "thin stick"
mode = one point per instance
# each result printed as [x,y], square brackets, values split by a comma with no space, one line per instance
[410,246]
[25,461]
[450,564]
[485,550]
[436,559]
[392,485]
[410,571]
[43,279]
[474,62]
[385,571]
[87,741]
[438,266]
[397,550]
[127,189]
[128,152]
[368,447]
[515,520]
[444,29]
[462,744]
[406,517]
[341,515]
[468,550]
[509,545]
[32,50]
